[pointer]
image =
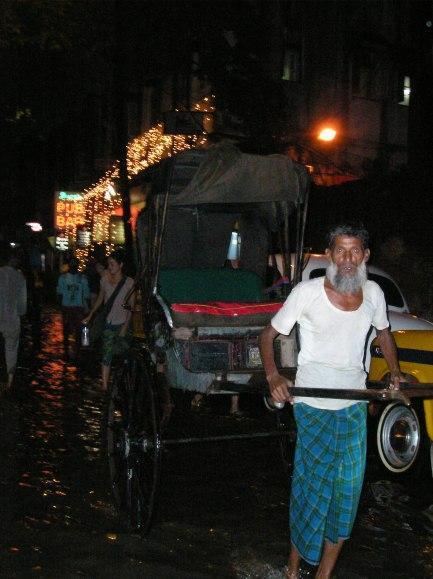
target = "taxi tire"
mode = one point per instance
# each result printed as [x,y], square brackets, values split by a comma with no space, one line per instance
[401,439]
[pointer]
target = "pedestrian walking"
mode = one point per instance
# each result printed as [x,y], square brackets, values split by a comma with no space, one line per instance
[73,290]
[13,304]
[334,314]
[117,334]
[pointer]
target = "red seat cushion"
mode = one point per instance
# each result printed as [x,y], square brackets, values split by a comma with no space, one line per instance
[232,309]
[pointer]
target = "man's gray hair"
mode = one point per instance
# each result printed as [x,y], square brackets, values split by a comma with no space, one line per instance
[349,230]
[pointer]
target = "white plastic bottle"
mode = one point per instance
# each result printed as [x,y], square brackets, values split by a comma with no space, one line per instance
[85,336]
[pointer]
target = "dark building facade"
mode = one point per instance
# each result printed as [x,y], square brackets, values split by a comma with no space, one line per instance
[346,65]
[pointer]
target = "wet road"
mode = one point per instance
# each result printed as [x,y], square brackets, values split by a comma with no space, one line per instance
[223,506]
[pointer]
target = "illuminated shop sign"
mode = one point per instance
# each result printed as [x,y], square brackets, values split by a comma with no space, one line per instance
[62,243]
[67,196]
[69,213]
[84,237]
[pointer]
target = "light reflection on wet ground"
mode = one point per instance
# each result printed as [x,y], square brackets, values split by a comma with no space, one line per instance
[223,506]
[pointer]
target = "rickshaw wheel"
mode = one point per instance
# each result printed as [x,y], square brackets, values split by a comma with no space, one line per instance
[133,443]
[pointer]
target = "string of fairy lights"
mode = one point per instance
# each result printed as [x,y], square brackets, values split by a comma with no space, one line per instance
[102,199]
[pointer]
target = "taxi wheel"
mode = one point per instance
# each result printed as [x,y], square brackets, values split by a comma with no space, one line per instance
[398,437]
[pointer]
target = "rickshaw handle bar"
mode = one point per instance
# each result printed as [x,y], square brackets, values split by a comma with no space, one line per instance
[404,394]
[407,391]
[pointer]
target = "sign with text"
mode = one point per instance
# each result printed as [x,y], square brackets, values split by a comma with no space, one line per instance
[62,243]
[84,237]
[69,212]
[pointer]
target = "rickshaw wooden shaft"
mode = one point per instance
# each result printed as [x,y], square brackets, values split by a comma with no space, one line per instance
[404,395]
[385,394]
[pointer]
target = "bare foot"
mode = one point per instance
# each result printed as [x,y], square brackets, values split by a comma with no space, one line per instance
[289,574]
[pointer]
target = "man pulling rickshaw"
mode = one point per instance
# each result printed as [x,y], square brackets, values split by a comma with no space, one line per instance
[334,314]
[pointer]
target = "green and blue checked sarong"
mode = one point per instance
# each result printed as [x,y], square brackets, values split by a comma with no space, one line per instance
[327,476]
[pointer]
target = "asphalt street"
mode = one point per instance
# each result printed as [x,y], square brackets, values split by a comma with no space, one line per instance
[222,506]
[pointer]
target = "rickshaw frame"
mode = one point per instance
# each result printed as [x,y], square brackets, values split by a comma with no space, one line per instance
[140,405]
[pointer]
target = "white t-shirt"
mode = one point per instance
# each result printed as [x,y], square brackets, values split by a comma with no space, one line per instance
[332,340]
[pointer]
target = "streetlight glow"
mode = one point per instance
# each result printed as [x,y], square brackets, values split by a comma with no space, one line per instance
[34,226]
[327,134]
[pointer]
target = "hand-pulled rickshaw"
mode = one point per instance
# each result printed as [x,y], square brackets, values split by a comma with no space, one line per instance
[202,312]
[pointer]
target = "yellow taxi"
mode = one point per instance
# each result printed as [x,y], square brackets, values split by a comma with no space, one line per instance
[404,435]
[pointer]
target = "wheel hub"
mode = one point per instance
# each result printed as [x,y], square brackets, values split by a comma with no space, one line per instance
[399,438]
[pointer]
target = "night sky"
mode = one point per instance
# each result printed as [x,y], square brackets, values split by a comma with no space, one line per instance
[58,57]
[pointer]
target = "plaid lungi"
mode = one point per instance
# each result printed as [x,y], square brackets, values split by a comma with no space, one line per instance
[327,476]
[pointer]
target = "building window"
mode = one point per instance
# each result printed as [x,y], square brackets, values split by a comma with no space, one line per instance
[291,64]
[404,91]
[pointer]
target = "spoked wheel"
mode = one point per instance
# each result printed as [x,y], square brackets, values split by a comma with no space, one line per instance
[133,443]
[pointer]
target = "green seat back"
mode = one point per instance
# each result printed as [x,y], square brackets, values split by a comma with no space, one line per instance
[189,285]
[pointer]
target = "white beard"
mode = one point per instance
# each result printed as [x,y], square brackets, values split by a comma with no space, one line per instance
[349,284]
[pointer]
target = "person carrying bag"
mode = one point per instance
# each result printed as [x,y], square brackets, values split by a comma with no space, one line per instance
[97,322]
[112,322]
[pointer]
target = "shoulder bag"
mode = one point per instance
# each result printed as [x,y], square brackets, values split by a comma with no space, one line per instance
[97,323]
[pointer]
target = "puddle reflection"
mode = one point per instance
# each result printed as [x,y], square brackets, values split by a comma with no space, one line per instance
[62,435]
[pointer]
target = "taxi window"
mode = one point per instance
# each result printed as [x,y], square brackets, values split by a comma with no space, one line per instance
[319,272]
[393,296]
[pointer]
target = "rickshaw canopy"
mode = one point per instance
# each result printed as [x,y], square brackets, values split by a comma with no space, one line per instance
[223,174]
[212,191]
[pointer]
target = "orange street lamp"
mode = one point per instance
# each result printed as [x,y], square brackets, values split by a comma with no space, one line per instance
[327,134]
